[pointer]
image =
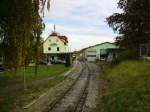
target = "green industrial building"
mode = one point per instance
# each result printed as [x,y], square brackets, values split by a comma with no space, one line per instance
[101,49]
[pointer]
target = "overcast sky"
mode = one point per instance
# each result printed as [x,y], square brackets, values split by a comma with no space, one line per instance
[82,21]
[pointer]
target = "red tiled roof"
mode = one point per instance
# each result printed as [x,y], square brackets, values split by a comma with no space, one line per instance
[63,38]
[54,34]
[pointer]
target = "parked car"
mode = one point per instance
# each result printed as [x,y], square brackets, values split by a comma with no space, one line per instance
[58,61]
[43,62]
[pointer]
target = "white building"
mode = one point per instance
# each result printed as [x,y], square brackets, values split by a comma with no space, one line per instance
[55,44]
[90,54]
[55,47]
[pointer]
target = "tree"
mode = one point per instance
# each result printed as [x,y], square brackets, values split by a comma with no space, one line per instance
[20,29]
[133,25]
[20,21]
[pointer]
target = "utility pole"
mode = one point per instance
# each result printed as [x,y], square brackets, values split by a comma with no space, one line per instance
[69,48]
[54,28]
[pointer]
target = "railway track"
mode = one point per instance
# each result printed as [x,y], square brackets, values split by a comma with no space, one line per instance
[74,98]
[80,104]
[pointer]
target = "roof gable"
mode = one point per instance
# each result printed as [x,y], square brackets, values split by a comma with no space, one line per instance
[64,39]
[105,43]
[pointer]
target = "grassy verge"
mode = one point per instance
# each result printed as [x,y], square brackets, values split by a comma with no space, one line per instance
[9,77]
[12,95]
[128,88]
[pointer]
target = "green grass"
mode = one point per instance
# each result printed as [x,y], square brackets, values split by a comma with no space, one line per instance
[128,87]
[12,95]
[9,77]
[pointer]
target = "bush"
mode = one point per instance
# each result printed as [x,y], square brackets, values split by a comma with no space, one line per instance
[125,55]
[128,87]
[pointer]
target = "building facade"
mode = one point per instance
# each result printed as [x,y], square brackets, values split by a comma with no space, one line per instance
[89,54]
[55,47]
[55,44]
[101,49]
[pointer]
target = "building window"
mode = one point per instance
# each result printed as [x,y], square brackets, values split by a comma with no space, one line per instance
[58,49]
[49,49]
[65,43]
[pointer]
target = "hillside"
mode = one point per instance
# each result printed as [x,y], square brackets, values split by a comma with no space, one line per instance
[127,88]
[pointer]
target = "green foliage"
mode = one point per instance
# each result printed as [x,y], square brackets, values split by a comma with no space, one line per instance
[125,55]
[132,25]
[20,29]
[6,78]
[128,87]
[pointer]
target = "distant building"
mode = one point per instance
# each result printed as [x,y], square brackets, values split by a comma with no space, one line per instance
[90,54]
[55,43]
[55,47]
[101,49]
[104,51]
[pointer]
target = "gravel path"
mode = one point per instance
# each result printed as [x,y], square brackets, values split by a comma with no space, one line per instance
[93,90]
[69,101]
